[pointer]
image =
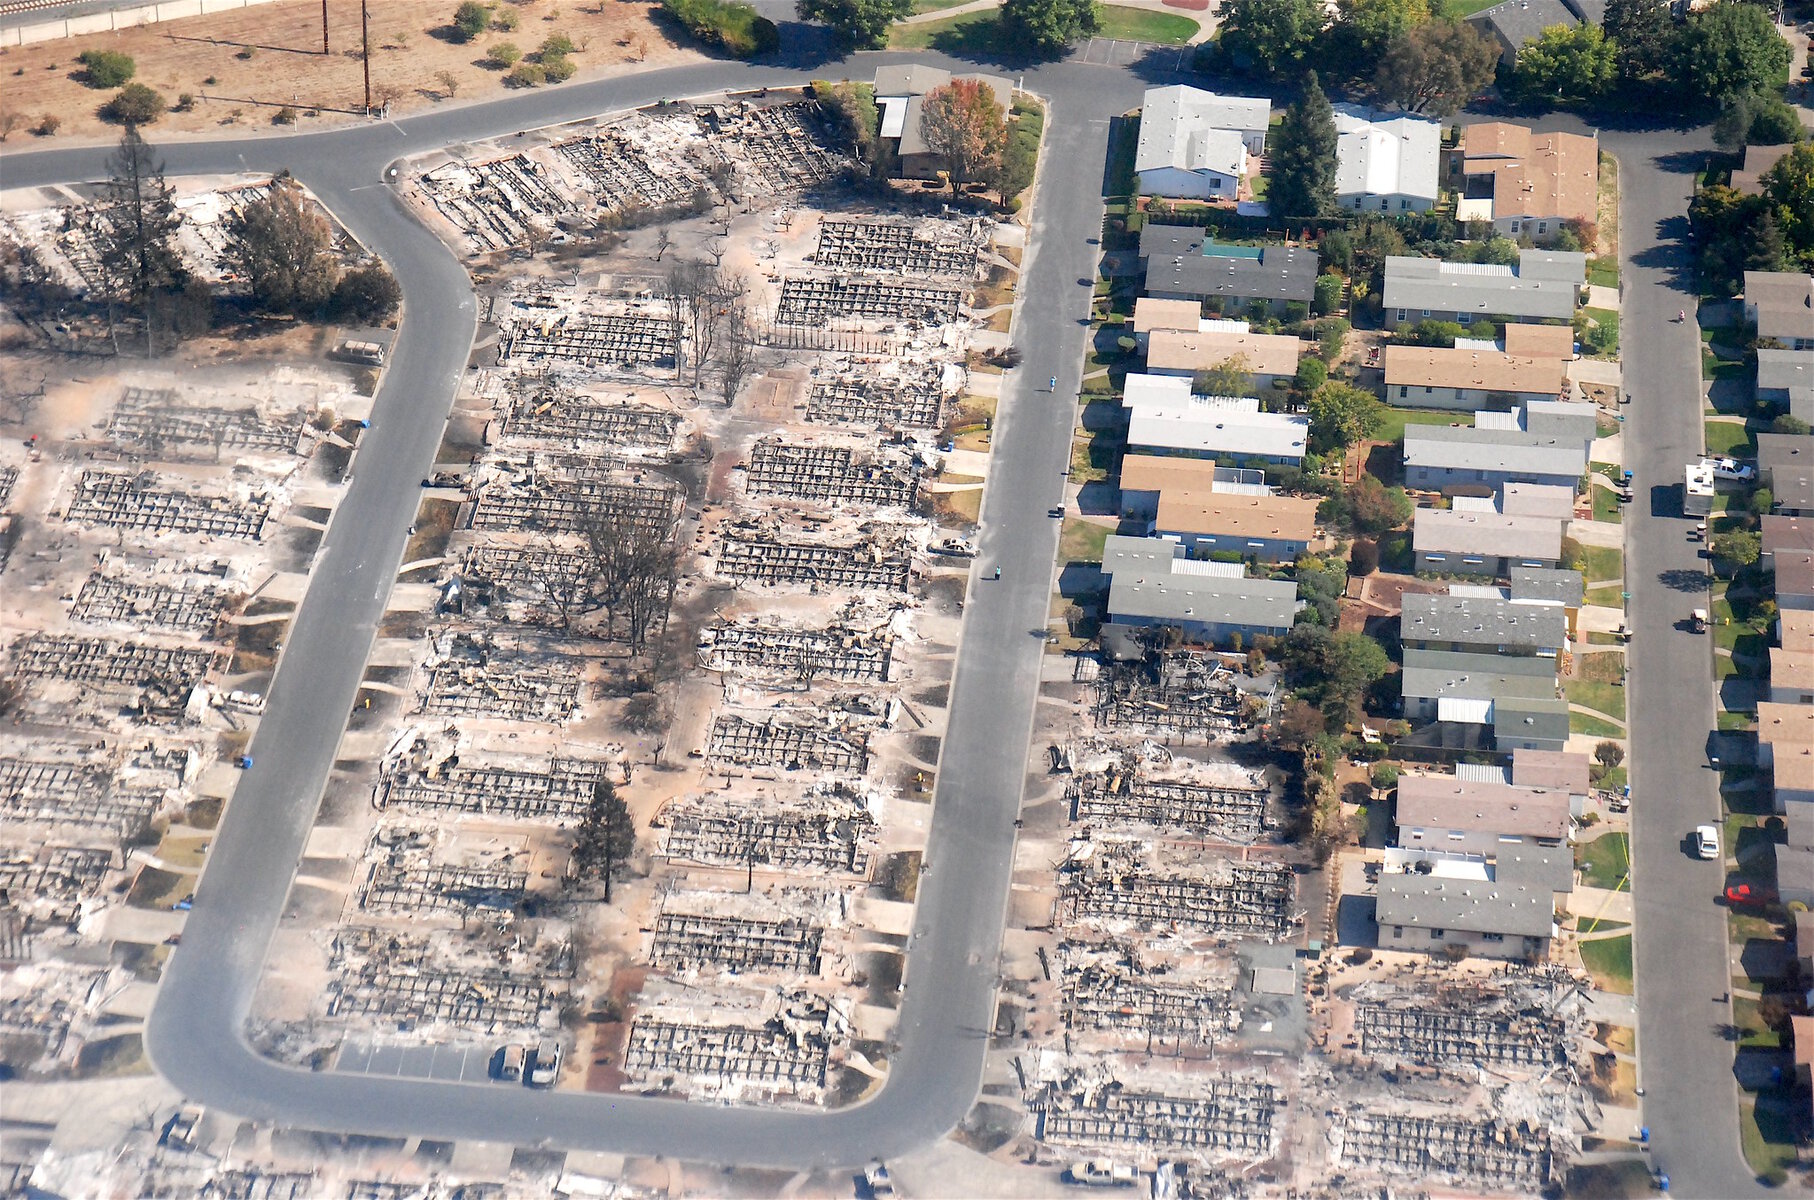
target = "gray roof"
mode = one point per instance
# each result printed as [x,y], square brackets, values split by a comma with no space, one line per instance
[1486,534]
[1520,21]
[1160,588]
[1464,662]
[1784,301]
[1553,500]
[1422,683]
[1482,621]
[1520,718]
[1557,585]
[1471,906]
[1785,370]
[1179,124]
[1786,462]
[1551,867]
[1562,418]
[1543,285]
[1500,451]
[1174,266]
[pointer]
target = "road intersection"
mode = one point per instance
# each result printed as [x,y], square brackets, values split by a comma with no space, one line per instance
[196,1033]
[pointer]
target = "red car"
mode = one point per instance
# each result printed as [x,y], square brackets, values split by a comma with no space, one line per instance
[1741,894]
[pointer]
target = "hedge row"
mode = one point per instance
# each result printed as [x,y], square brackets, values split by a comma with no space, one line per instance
[739,30]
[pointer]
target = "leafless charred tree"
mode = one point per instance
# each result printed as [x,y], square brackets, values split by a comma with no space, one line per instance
[635,569]
[737,350]
[664,238]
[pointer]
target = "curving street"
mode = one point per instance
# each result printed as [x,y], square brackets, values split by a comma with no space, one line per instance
[195,1033]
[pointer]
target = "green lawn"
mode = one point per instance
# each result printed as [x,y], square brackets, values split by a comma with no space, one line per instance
[926,6]
[1768,1138]
[1601,697]
[1603,271]
[1601,925]
[1606,505]
[1608,960]
[963,33]
[1605,862]
[1606,319]
[1393,428]
[1730,437]
[1081,541]
[1736,722]
[1593,726]
[1610,596]
[1601,562]
[1144,25]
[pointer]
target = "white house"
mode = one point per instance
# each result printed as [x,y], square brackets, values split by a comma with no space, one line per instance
[1386,164]
[1196,144]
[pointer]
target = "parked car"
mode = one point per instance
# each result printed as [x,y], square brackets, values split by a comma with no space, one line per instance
[510,1063]
[1101,1172]
[1732,470]
[1706,841]
[547,1067]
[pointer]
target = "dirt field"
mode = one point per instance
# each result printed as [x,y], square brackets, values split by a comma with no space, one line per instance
[243,67]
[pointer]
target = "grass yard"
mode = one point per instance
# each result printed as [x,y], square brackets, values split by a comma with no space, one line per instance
[1731,437]
[1144,25]
[1601,925]
[1095,456]
[1603,271]
[1081,541]
[1393,428]
[1737,722]
[1609,962]
[1610,596]
[926,6]
[1458,9]
[1592,726]
[1606,862]
[1601,697]
[1601,562]
[1605,667]
[964,33]
[1768,1137]
[1606,505]
[1608,320]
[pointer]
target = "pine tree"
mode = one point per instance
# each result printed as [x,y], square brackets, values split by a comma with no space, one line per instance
[1769,250]
[1303,156]
[136,229]
[606,837]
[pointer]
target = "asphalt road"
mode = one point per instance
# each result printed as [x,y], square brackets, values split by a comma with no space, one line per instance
[195,1034]
[1680,939]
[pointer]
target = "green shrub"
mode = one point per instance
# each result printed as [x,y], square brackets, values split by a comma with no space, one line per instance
[526,75]
[504,55]
[106,68]
[557,45]
[1313,373]
[134,104]
[284,116]
[739,30]
[1328,295]
[506,20]
[365,294]
[558,68]
[470,19]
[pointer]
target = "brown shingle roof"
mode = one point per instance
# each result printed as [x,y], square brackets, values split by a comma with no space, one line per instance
[1435,366]
[1788,729]
[1445,802]
[1285,517]
[1540,341]
[1151,313]
[1534,174]
[1265,353]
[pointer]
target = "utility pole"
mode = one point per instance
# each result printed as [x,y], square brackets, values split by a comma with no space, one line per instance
[324,26]
[365,34]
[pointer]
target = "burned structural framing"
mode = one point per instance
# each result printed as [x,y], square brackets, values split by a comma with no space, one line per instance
[724,833]
[828,473]
[1235,1119]
[1254,901]
[685,941]
[890,248]
[814,301]
[136,502]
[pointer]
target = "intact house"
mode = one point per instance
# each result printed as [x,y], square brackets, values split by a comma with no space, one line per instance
[1527,184]
[1225,429]
[1783,534]
[1544,286]
[1467,816]
[1386,163]
[1538,341]
[1557,771]
[1184,262]
[1152,584]
[1785,465]
[1436,377]
[1440,457]
[1794,580]
[1475,541]
[1486,918]
[1209,509]
[1781,305]
[1482,668]
[1483,621]
[900,93]
[1758,159]
[1195,144]
[1151,312]
[1562,587]
[1785,748]
[1267,359]
[1785,378]
[1512,23]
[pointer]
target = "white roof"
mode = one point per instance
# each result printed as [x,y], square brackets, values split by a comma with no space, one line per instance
[1171,394]
[1377,155]
[1486,419]
[1463,711]
[1172,117]
[894,115]
[1204,566]
[1233,432]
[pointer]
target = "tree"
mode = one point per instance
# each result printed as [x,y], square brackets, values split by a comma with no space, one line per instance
[1312,374]
[1724,223]
[1751,118]
[1788,188]
[1230,377]
[606,836]
[1303,156]
[134,104]
[1741,547]
[1768,250]
[136,233]
[504,54]
[1341,414]
[366,294]
[962,124]
[557,68]
[1271,37]
[106,68]
[1328,295]
[1566,65]
[1436,68]
[10,123]
[450,83]
[1375,508]
[1385,776]
[1728,49]
[526,75]
[1047,27]
[1364,28]
[857,24]
[470,20]
[1642,30]
[1609,754]
[737,350]
[280,245]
